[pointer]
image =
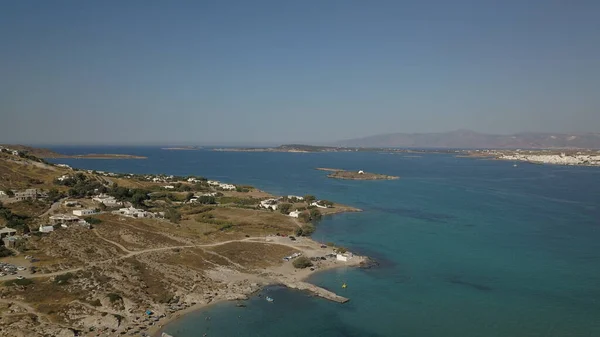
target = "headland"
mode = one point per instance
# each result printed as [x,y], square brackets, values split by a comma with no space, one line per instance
[91,252]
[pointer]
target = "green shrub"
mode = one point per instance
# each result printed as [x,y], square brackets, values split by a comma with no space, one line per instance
[92,220]
[22,282]
[96,303]
[63,279]
[112,297]
[285,208]
[4,252]
[302,262]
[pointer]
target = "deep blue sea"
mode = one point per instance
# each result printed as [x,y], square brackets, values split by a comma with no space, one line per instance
[468,248]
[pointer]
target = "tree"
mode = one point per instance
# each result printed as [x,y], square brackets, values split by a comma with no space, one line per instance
[308,229]
[309,198]
[326,203]
[173,215]
[305,230]
[315,214]
[10,193]
[285,208]
[54,195]
[304,217]
[189,196]
[302,262]
[138,198]
[207,199]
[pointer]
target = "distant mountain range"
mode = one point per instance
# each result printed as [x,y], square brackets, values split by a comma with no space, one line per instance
[471,139]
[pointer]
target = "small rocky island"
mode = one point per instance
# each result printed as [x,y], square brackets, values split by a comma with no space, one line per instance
[355,175]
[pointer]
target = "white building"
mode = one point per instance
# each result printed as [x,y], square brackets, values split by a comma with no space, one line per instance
[63,165]
[213,183]
[107,200]
[361,172]
[83,212]
[63,219]
[15,152]
[169,187]
[269,204]
[316,204]
[228,187]
[295,197]
[63,178]
[343,257]
[294,214]
[133,212]
[46,229]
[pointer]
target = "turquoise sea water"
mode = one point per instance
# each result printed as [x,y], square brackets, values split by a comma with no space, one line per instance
[467,247]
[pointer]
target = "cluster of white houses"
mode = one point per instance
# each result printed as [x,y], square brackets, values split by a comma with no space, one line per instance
[11,151]
[223,186]
[107,200]
[133,212]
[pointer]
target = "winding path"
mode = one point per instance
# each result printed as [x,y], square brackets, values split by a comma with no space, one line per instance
[134,253]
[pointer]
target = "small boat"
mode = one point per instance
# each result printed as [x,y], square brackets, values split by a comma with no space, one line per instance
[344,286]
[515,165]
[269,299]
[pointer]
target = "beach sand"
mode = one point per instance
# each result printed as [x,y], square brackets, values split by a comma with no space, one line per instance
[284,274]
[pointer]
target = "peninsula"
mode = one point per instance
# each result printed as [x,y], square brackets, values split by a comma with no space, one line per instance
[91,252]
[355,175]
[25,151]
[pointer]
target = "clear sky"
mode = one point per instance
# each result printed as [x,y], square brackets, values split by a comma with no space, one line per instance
[142,71]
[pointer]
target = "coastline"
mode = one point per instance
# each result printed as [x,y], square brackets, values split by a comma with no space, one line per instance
[289,277]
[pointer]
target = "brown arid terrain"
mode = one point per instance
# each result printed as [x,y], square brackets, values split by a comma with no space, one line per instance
[355,175]
[131,275]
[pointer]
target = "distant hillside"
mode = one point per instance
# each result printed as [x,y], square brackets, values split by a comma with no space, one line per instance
[471,139]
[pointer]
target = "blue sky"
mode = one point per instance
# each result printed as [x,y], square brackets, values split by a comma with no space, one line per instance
[294,71]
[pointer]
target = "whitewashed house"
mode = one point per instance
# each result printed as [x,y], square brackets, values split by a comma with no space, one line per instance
[228,187]
[361,172]
[107,200]
[316,204]
[168,187]
[133,212]
[63,219]
[295,197]
[269,204]
[343,257]
[294,214]
[84,212]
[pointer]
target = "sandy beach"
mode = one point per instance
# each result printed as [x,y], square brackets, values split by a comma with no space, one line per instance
[284,274]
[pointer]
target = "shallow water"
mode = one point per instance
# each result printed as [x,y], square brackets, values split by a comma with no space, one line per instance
[467,247]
